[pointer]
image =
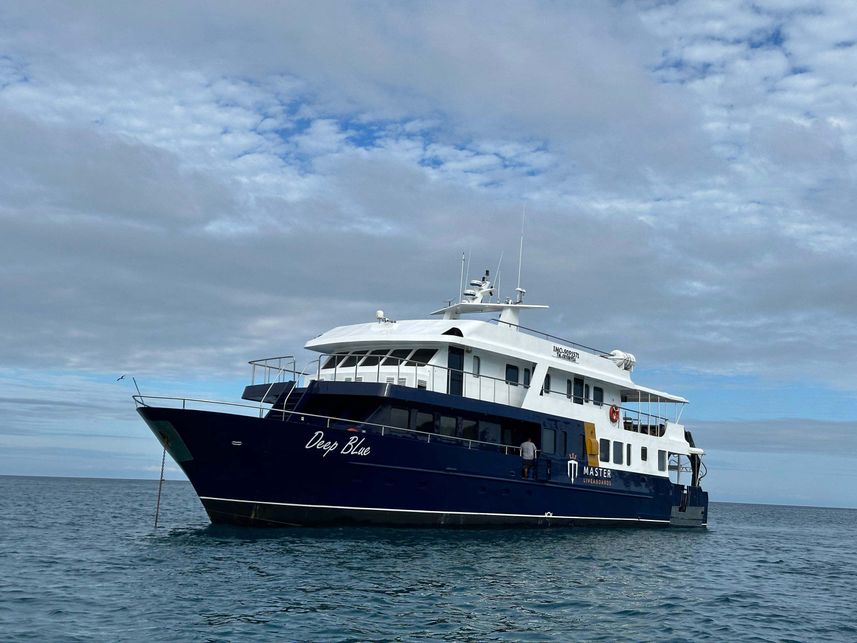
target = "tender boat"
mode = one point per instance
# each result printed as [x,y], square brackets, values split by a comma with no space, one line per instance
[420,423]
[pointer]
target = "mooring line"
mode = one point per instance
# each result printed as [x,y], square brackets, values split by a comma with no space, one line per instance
[160,486]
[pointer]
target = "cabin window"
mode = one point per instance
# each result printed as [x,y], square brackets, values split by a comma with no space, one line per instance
[374,358]
[469,429]
[548,441]
[489,431]
[628,455]
[477,365]
[598,395]
[352,359]
[578,390]
[568,389]
[424,421]
[421,356]
[662,460]
[396,356]
[547,385]
[586,392]
[604,454]
[644,454]
[399,417]
[446,424]
[527,377]
[512,374]
[331,361]
[618,449]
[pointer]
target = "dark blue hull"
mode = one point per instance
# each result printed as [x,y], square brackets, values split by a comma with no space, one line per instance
[303,470]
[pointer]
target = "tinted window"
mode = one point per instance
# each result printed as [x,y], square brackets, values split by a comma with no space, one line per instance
[604,455]
[331,361]
[399,417]
[476,365]
[424,421]
[662,460]
[351,360]
[598,395]
[547,386]
[618,448]
[512,374]
[568,389]
[396,356]
[526,377]
[446,424]
[548,440]
[469,429]
[644,453]
[578,390]
[421,356]
[374,358]
[489,431]
[586,393]
[628,454]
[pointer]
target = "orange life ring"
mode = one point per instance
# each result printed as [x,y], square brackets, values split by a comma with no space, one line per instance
[614,414]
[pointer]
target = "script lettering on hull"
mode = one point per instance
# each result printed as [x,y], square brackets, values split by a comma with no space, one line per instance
[354,446]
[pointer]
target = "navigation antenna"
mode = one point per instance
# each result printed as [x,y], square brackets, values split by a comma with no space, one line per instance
[520,292]
[461,281]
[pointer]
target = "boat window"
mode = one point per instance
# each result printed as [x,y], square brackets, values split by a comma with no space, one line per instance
[512,374]
[548,441]
[644,453]
[568,389]
[598,395]
[374,358]
[399,417]
[331,361]
[424,421]
[604,445]
[396,356]
[628,455]
[586,392]
[453,331]
[469,429]
[421,356]
[662,460]
[489,431]
[547,385]
[527,377]
[578,390]
[618,448]
[351,360]
[446,424]
[476,365]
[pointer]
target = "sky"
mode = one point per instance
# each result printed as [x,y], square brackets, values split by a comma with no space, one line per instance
[187,186]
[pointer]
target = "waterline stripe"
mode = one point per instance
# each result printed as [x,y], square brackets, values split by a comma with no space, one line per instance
[428,511]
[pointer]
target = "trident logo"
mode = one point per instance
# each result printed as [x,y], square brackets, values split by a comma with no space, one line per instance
[572,470]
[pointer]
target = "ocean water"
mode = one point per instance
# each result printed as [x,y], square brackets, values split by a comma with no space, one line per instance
[80,560]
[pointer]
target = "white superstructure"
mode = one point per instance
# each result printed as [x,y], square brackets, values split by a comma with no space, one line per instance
[499,361]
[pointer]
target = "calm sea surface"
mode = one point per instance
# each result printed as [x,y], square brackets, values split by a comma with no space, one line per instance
[79,560]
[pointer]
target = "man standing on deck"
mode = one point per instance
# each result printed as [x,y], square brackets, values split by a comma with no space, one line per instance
[528,455]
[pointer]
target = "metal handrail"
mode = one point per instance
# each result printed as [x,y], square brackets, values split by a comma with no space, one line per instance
[140,401]
[539,333]
[401,368]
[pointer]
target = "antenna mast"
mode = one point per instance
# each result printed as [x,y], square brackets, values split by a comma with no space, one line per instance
[520,291]
[461,281]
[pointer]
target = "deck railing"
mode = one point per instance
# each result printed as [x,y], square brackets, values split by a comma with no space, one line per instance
[329,421]
[430,377]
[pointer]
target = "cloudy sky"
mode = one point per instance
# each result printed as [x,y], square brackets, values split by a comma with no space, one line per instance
[187,186]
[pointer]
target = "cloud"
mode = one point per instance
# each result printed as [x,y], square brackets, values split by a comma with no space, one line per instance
[185,189]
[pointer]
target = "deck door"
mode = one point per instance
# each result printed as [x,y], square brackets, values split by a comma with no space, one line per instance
[456,370]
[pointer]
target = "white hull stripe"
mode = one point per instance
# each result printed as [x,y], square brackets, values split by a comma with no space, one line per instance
[426,511]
